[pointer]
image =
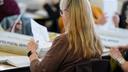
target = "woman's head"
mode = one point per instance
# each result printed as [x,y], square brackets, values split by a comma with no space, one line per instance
[76,10]
[79,22]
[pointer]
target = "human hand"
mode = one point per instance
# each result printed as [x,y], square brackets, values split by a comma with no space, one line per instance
[115,53]
[116,20]
[32,45]
[18,26]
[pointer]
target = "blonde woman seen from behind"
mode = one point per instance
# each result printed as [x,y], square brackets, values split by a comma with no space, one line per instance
[78,43]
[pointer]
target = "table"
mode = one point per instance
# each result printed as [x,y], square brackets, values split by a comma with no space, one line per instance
[8,68]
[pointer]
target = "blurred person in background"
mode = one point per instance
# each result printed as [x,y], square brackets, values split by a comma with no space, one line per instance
[9,12]
[53,10]
[123,23]
[23,26]
[121,20]
[8,8]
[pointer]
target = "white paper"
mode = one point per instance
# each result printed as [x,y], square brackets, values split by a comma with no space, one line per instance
[113,41]
[112,37]
[1,29]
[40,33]
[17,61]
[110,8]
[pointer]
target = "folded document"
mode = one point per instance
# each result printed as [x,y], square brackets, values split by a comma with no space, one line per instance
[16,61]
[112,37]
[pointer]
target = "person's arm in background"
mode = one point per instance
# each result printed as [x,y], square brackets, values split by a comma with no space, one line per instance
[116,55]
[116,20]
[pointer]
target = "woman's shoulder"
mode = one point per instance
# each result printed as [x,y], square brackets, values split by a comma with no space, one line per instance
[61,38]
[59,44]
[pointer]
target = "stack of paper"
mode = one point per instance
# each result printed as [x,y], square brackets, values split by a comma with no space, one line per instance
[14,43]
[17,61]
[112,37]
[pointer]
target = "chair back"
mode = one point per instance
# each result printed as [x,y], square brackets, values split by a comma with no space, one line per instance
[94,65]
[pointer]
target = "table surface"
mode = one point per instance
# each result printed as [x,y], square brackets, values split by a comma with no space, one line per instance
[9,68]
[6,66]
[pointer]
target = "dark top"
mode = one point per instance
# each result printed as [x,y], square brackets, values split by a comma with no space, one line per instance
[122,23]
[57,59]
[9,8]
[53,16]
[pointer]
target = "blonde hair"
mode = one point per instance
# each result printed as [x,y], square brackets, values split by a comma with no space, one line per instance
[81,35]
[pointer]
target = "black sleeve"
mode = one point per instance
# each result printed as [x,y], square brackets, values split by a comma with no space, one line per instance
[122,23]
